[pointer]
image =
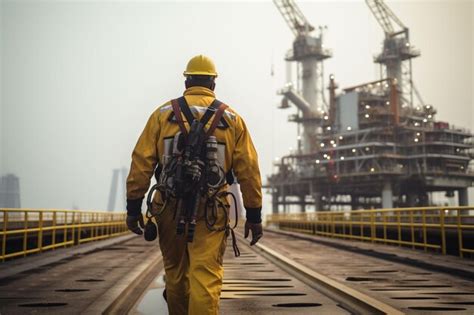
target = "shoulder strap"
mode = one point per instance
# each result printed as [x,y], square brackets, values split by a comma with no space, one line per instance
[185,109]
[177,114]
[211,109]
[217,117]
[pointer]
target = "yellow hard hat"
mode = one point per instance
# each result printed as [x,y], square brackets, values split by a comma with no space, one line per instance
[200,65]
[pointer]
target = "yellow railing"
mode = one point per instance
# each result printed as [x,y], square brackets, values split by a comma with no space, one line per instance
[27,231]
[444,229]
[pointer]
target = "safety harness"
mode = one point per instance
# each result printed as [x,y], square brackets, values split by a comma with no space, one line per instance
[193,173]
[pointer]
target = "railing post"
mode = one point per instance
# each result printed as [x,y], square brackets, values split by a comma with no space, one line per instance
[65,229]
[79,228]
[459,224]
[384,220]
[25,233]
[425,241]
[372,227]
[443,232]
[412,227]
[53,241]
[40,231]
[399,226]
[350,225]
[333,225]
[74,222]
[4,238]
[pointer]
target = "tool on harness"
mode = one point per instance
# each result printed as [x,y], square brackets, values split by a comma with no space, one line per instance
[192,174]
[151,230]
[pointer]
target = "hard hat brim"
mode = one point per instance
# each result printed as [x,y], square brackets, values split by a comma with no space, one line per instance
[188,73]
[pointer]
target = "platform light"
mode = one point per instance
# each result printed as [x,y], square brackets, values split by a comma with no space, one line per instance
[428,106]
[418,108]
[326,117]
[416,140]
[418,134]
[334,145]
[328,157]
[462,167]
[342,158]
[317,162]
[367,115]
[341,137]
[367,106]
[328,128]
[457,150]
[353,150]
[367,149]
[425,120]
[322,145]
[299,137]
[387,103]
[372,169]
[332,141]
[417,124]
[429,116]
[325,155]
[407,44]
[349,128]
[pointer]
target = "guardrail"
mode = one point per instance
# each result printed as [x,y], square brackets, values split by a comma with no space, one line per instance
[444,229]
[27,231]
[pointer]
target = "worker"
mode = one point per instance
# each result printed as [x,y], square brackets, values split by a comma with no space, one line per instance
[194,270]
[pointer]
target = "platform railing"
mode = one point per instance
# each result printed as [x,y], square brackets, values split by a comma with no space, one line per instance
[27,231]
[444,229]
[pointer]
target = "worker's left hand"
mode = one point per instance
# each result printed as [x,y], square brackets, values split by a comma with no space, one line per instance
[257,231]
[133,221]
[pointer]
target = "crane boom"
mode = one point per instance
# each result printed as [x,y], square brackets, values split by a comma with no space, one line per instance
[293,16]
[385,16]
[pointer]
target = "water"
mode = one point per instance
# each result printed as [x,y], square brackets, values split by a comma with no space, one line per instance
[152,301]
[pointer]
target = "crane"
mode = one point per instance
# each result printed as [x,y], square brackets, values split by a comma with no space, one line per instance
[395,58]
[293,16]
[308,52]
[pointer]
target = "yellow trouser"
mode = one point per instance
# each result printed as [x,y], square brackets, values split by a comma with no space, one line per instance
[194,270]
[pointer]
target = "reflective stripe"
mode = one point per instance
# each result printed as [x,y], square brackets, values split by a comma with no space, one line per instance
[198,109]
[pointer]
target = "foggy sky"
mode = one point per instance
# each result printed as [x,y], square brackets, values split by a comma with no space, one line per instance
[80,79]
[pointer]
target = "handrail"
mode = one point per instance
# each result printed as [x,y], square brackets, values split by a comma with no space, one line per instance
[418,227]
[27,231]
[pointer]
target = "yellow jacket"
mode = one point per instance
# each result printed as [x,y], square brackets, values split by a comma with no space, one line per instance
[235,144]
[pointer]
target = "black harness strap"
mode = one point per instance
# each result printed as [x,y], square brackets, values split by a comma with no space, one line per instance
[216,107]
[217,118]
[210,111]
[177,114]
[183,105]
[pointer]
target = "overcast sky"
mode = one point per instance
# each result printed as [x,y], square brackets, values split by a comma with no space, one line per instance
[80,79]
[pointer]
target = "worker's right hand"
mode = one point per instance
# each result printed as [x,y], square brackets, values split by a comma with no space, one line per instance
[257,231]
[133,221]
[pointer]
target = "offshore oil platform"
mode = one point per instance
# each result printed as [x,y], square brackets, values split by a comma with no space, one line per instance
[374,145]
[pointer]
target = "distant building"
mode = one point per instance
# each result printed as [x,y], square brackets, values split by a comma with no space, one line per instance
[9,191]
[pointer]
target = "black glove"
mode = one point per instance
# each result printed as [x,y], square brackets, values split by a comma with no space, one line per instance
[133,221]
[257,231]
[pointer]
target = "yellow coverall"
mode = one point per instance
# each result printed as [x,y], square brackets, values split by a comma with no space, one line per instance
[194,270]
